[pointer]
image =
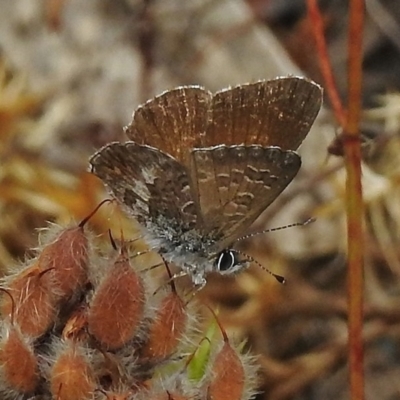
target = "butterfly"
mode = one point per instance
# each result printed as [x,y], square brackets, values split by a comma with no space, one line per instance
[199,168]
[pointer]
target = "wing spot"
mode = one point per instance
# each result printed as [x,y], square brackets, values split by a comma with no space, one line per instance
[239,152]
[256,152]
[224,180]
[202,176]
[201,155]
[186,189]
[236,176]
[220,153]
[254,175]
[189,208]
[274,153]
[244,199]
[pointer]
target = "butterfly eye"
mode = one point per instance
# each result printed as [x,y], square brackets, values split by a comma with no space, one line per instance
[226,261]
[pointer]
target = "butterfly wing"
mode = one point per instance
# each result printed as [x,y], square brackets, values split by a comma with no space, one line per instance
[219,188]
[236,183]
[173,122]
[279,112]
[150,185]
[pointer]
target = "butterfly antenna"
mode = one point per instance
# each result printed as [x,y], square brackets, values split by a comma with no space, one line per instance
[279,278]
[279,228]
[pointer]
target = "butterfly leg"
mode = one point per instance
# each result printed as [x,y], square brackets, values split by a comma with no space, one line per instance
[180,274]
[200,284]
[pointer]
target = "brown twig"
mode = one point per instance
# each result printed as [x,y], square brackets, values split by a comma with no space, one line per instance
[316,22]
[354,202]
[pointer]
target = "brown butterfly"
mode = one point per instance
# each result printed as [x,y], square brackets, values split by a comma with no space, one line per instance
[200,168]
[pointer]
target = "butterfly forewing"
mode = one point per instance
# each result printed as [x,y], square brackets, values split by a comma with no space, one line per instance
[173,122]
[279,112]
[251,178]
[150,185]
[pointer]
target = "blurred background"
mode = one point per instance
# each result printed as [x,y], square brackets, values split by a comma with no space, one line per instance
[73,71]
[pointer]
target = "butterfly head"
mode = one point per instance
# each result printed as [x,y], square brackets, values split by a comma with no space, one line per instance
[195,253]
[228,262]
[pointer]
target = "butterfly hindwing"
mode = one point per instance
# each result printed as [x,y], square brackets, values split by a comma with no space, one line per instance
[150,185]
[247,179]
